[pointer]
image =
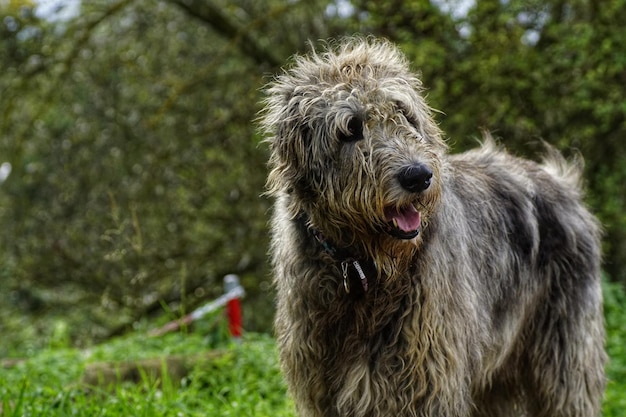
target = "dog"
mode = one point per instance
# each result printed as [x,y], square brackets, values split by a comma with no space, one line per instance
[414,282]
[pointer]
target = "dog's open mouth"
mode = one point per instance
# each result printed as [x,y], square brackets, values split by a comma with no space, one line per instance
[403,222]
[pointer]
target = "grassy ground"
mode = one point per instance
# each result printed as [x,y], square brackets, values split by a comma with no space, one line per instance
[234,380]
[615,313]
[238,380]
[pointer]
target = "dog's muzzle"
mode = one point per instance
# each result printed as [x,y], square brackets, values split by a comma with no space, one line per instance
[405,222]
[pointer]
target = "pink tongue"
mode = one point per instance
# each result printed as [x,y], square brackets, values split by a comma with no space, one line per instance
[407,219]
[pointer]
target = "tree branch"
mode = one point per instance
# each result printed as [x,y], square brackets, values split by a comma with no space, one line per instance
[209,13]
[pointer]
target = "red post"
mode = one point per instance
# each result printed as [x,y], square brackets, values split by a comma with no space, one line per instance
[233,308]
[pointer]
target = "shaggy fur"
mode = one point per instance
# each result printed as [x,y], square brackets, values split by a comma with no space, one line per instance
[480,291]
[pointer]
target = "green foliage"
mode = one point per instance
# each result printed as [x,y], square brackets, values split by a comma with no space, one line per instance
[136,176]
[245,381]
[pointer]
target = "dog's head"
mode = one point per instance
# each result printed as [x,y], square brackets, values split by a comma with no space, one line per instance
[353,143]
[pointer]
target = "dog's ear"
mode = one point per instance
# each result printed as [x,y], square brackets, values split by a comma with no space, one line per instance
[289,136]
[292,168]
[298,145]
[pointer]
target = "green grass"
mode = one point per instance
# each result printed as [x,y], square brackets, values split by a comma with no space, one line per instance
[243,380]
[615,314]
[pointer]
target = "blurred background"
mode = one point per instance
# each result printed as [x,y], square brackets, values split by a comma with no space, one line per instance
[132,171]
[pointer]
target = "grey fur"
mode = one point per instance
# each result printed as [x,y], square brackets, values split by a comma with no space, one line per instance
[494,309]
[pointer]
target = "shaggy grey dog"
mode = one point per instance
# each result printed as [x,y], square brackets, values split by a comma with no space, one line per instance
[416,283]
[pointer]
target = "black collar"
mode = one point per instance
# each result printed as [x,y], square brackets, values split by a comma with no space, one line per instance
[353,269]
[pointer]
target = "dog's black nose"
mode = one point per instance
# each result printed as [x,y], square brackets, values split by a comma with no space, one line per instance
[415,178]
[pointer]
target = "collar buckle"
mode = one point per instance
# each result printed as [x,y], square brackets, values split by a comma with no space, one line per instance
[346,281]
[357,267]
[346,263]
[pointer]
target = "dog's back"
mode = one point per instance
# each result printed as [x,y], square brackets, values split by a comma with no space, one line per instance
[535,249]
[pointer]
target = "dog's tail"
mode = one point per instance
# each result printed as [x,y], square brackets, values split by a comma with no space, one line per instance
[569,171]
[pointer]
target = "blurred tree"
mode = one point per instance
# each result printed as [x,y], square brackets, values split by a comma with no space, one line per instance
[137,171]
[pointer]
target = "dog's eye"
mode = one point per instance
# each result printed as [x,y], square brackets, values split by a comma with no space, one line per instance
[407,115]
[354,131]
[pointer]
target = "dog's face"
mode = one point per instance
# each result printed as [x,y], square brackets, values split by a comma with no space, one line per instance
[354,145]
